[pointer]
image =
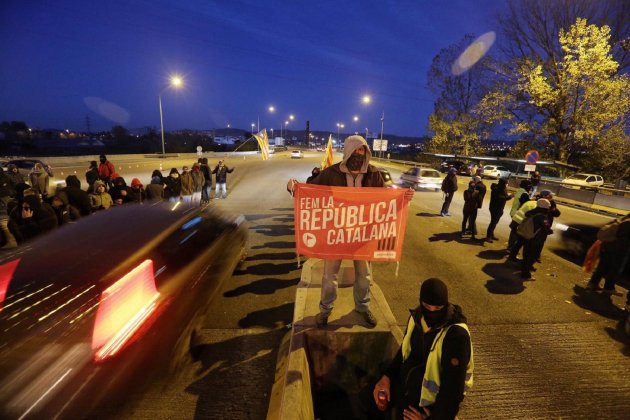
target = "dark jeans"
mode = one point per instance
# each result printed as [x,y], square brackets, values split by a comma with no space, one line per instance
[470,216]
[531,250]
[447,202]
[609,267]
[205,191]
[495,216]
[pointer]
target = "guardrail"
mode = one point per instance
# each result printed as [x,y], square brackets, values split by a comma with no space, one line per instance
[603,199]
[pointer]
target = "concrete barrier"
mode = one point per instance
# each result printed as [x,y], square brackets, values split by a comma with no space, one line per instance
[322,368]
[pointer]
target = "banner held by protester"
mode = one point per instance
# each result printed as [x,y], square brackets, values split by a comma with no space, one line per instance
[350,223]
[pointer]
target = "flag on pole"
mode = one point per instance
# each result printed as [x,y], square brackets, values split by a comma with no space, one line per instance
[263,142]
[328,157]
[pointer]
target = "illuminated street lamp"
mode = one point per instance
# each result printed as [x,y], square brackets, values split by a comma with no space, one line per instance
[253,125]
[175,82]
[366,99]
[339,125]
[291,117]
[355,118]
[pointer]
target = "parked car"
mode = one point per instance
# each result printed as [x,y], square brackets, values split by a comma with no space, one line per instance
[280,148]
[296,154]
[26,165]
[583,181]
[387,178]
[446,165]
[496,172]
[422,178]
[80,334]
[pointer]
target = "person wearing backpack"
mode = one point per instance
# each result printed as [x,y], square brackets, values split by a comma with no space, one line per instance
[613,256]
[535,240]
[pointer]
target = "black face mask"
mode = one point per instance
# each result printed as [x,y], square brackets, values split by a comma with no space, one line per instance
[102,160]
[433,318]
[355,162]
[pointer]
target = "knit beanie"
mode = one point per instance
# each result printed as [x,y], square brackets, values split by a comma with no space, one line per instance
[434,292]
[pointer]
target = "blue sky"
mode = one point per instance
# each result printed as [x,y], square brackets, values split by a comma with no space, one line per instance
[313,59]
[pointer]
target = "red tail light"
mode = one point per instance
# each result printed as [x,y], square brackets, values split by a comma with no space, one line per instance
[6,274]
[123,308]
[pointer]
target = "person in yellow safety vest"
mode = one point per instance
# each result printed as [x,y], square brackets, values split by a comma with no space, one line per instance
[433,367]
[517,219]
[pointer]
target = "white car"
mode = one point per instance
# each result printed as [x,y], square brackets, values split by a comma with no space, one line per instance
[424,178]
[583,180]
[296,154]
[496,172]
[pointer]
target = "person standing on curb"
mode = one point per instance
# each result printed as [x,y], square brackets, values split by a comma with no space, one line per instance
[433,368]
[354,170]
[221,172]
[106,171]
[449,186]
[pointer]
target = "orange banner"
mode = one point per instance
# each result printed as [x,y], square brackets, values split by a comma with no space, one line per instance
[350,223]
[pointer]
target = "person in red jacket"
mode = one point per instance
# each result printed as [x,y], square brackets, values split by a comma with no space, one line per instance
[106,171]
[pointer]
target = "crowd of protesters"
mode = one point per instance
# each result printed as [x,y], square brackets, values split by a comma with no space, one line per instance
[28,208]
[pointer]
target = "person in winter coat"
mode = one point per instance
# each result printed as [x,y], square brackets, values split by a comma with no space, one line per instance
[481,187]
[207,175]
[535,181]
[33,218]
[77,198]
[198,183]
[155,190]
[91,175]
[14,177]
[100,199]
[221,172]
[173,190]
[433,367]
[449,186]
[121,193]
[498,197]
[40,180]
[354,170]
[188,185]
[106,171]
[521,196]
[532,248]
[138,190]
[471,203]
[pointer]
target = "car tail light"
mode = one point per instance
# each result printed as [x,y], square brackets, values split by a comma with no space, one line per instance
[6,274]
[123,308]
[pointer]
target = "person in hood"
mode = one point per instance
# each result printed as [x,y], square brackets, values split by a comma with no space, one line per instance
[77,198]
[221,171]
[173,190]
[138,190]
[100,198]
[198,183]
[106,171]
[33,218]
[40,180]
[471,203]
[122,193]
[207,175]
[187,185]
[449,186]
[354,170]
[499,195]
[532,248]
[155,190]
[433,367]
[91,175]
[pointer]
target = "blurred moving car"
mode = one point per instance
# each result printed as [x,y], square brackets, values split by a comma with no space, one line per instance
[280,148]
[296,154]
[387,177]
[583,180]
[80,333]
[496,172]
[422,178]
[25,166]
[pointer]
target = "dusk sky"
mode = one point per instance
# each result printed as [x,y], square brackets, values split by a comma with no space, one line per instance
[64,60]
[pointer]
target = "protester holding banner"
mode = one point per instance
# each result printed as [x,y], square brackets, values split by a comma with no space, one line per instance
[353,171]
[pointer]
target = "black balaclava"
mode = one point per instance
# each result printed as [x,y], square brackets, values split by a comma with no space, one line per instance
[102,158]
[434,292]
[355,162]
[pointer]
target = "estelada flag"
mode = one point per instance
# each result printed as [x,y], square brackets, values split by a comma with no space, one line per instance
[357,223]
[328,157]
[263,142]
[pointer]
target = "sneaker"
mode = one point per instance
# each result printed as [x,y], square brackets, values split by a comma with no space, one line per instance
[613,292]
[592,288]
[369,319]
[447,214]
[488,239]
[442,214]
[321,320]
[514,259]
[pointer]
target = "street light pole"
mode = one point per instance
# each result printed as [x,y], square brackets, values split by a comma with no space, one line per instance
[161,122]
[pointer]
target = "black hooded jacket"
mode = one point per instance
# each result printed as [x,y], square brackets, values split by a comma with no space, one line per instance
[77,198]
[44,219]
[498,196]
[456,353]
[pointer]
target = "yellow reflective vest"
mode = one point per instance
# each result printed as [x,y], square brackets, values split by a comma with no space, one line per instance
[516,203]
[519,216]
[433,370]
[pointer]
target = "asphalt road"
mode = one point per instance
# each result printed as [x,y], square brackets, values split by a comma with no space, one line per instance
[543,348]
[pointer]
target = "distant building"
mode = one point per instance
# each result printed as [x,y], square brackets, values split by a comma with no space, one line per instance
[227,140]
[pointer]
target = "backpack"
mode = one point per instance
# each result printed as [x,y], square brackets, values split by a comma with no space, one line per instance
[608,233]
[526,228]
